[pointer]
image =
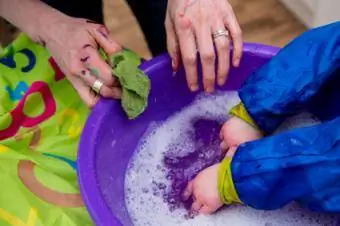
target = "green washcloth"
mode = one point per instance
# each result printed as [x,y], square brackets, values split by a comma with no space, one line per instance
[135,83]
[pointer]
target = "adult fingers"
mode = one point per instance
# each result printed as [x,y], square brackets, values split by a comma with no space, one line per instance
[231,23]
[84,92]
[222,47]
[207,55]
[188,51]
[101,35]
[92,60]
[172,44]
[73,74]
[105,91]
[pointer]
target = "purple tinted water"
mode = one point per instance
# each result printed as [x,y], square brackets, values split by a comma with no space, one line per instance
[180,169]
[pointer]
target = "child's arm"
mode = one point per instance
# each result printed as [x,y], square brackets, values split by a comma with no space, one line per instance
[302,165]
[287,84]
[284,86]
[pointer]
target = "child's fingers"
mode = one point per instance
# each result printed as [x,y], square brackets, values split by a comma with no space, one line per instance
[224,146]
[205,210]
[172,43]
[188,191]
[196,206]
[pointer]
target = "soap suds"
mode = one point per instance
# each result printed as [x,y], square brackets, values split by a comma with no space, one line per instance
[148,180]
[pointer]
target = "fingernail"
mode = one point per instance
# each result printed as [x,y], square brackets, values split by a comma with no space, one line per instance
[91,22]
[194,87]
[221,81]
[209,90]
[117,94]
[84,59]
[87,46]
[185,196]
[223,145]
[100,30]
[236,62]
[173,65]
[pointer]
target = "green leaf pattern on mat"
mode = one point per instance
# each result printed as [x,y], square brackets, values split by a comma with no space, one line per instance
[135,83]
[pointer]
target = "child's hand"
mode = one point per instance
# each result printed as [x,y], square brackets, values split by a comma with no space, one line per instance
[204,191]
[235,132]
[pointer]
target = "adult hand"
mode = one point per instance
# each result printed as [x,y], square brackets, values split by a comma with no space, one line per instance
[191,26]
[74,44]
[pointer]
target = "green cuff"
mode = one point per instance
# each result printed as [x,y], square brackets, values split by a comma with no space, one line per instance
[226,186]
[241,112]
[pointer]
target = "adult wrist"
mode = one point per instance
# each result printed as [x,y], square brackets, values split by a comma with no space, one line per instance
[47,26]
[33,17]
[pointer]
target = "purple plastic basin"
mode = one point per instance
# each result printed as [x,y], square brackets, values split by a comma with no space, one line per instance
[102,164]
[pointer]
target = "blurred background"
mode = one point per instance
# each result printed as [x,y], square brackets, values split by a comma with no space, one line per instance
[273,22]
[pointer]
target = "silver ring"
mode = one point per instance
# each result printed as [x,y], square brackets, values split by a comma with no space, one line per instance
[97,85]
[220,33]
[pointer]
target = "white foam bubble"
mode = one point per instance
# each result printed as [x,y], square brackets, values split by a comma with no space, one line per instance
[298,121]
[145,168]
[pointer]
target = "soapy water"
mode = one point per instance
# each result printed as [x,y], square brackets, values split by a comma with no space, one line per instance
[172,153]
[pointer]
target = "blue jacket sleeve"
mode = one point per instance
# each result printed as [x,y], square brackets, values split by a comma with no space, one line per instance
[301,165]
[286,85]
